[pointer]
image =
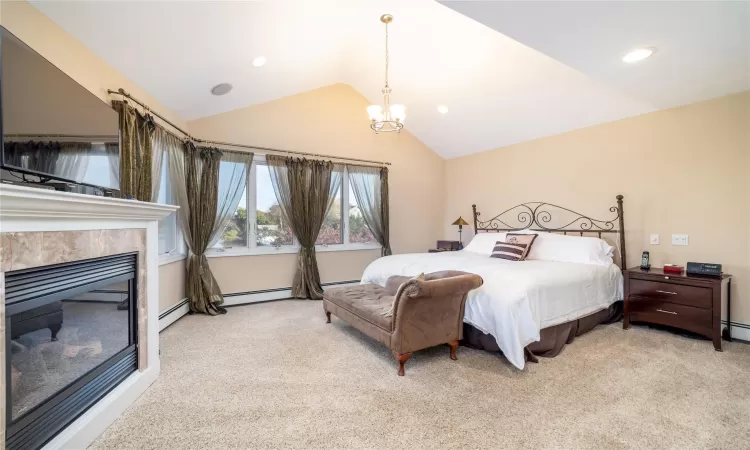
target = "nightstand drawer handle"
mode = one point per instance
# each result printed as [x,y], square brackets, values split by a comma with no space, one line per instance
[668,312]
[666,292]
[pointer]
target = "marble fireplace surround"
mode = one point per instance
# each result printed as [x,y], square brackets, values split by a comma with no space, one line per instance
[42,248]
[39,227]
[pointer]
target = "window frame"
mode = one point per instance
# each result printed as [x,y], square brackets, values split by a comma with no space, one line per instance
[179,253]
[252,248]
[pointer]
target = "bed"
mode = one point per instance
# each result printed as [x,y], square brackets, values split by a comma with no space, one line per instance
[534,307]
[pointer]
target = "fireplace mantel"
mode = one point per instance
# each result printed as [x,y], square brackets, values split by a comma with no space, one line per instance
[41,227]
[23,203]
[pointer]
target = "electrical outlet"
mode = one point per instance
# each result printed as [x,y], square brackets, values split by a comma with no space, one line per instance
[679,239]
[654,239]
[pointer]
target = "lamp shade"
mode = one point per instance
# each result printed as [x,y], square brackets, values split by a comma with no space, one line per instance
[460,221]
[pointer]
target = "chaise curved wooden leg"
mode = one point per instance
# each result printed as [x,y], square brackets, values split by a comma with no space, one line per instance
[328,317]
[402,358]
[453,345]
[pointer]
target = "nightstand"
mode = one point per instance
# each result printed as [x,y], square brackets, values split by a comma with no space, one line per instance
[444,246]
[690,303]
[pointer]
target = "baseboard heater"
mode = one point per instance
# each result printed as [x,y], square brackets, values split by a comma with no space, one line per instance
[269,295]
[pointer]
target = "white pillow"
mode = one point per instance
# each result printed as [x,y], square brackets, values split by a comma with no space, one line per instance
[484,243]
[576,249]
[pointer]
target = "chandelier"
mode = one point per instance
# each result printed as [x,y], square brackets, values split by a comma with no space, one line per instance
[386,118]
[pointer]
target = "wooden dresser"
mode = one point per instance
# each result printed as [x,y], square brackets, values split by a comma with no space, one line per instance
[686,302]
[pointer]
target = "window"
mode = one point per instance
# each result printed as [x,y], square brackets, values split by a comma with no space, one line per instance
[170,238]
[235,233]
[271,229]
[259,226]
[359,233]
[231,175]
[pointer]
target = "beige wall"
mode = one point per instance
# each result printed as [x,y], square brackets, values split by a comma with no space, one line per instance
[70,55]
[333,121]
[251,273]
[682,171]
[73,58]
[171,284]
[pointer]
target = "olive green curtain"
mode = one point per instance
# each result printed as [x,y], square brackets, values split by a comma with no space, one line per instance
[194,173]
[136,132]
[385,213]
[305,190]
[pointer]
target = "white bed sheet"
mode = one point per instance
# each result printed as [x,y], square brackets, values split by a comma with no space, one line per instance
[517,299]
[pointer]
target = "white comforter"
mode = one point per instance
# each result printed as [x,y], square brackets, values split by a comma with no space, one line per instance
[517,299]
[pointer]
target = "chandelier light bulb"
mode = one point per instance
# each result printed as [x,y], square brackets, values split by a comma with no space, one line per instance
[375,112]
[398,113]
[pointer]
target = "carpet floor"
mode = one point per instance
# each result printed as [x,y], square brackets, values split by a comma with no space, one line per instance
[275,375]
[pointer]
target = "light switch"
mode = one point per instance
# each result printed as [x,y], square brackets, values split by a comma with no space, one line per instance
[679,239]
[654,239]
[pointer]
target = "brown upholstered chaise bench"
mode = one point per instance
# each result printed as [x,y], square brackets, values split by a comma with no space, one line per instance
[408,314]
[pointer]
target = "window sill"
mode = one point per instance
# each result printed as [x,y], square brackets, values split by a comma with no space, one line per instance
[258,251]
[167,258]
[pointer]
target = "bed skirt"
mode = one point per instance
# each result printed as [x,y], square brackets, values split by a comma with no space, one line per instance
[553,339]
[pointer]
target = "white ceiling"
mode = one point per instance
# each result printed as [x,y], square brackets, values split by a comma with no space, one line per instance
[703,47]
[552,68]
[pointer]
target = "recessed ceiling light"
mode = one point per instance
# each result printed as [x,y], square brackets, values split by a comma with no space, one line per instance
[442,109]
[221,89]
[638,54]
[260,61]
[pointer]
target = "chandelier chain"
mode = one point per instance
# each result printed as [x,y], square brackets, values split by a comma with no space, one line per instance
[386,55]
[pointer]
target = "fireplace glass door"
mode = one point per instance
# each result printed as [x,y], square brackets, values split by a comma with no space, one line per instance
[55,344]
[70,337]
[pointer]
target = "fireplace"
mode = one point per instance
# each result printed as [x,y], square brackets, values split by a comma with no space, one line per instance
[96,252]
[70,338]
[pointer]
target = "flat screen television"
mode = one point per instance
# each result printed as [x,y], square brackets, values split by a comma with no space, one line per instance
[53,129]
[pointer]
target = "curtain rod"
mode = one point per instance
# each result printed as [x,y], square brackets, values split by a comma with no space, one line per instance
[123,93]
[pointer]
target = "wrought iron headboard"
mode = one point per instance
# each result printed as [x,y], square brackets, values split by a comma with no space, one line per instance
[539,214]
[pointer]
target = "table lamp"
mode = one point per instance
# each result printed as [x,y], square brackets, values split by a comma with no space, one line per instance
[460,222]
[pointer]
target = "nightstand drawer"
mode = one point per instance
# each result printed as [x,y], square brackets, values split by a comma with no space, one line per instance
[675,293]
[666,313]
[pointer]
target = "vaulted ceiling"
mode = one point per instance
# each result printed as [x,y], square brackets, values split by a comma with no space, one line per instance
[507,71]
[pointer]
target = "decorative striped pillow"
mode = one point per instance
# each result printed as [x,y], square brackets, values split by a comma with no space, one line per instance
[528,239]
[511,252]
